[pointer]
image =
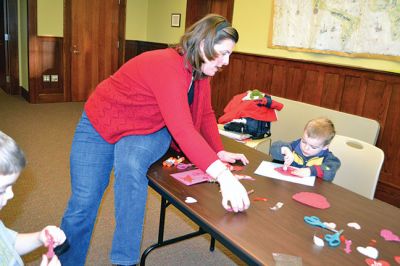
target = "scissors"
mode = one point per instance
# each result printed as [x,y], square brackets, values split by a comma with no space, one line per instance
[315,221]
[332,239]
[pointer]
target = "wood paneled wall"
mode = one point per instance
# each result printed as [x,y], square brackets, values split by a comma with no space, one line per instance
[366,93]
[45,58]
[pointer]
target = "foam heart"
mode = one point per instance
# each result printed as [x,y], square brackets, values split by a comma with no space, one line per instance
[190,200]
[389,235]
[368,251]
[373,262]
[397,259]
[312,199]
[330,225]
[354,225]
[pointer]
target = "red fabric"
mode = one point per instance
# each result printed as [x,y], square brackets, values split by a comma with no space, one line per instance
[237,108]
[150,92]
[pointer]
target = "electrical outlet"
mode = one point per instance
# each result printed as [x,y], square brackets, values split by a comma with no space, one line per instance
[46,78]
[54,78]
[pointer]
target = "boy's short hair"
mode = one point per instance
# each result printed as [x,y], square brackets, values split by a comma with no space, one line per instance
[320,127]
[12,158]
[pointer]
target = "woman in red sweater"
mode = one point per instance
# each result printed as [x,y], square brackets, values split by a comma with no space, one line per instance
[127,125]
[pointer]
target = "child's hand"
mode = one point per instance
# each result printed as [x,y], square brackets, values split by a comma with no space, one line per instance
[287,156]
[53,262]
[302,172]
[54,232]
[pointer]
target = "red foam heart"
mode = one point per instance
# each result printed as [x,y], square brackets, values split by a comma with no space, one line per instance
[397,259]
[312,199]
[373,262]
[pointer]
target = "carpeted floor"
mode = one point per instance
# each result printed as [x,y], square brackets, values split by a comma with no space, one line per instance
[44,132]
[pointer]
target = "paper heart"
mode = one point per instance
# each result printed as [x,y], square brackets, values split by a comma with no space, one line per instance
[354,225]
[389,235]
[190,200]
[312,199]
[330,225]
[373,262]
[368,251]
[318,241]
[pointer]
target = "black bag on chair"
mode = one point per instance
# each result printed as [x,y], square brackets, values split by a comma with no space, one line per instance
[256,128]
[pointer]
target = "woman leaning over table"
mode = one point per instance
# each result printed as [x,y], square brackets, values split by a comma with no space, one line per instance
[128,123]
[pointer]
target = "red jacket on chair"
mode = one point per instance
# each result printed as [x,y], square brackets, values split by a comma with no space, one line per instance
[257,109]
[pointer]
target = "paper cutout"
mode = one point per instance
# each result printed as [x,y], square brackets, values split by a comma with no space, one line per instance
[348,246]
[260,199]
[277,206]
[389,235]
[243,177]
[373,262]
[192,177]
[318,241]
[50,247]
[190,200]
[287,172]
[312,199]
[268,169]
[354,225]
[330,225]
[368,251]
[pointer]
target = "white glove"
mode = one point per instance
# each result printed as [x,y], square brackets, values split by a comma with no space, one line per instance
[233,192]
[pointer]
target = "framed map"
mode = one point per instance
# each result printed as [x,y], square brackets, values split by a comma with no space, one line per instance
[359,28]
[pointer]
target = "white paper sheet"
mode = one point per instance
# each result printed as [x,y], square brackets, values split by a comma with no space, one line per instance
[267,169]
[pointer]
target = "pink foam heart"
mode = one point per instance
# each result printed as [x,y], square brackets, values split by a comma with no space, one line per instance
[389,235]
[312,199]
[373,262]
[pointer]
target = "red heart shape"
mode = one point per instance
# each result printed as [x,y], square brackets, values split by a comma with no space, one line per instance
[312,199]
[397,259]
[373,262]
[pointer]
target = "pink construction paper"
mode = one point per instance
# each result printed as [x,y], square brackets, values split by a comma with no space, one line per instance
[191,177]
[312,199]
[373,262]
[389,235]
[287,172]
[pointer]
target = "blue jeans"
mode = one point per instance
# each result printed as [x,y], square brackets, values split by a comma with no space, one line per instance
[92,159]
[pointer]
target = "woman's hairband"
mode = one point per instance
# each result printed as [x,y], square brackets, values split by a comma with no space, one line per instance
[224,24]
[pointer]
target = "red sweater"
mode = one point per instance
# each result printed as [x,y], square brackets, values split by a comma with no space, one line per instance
[148,93]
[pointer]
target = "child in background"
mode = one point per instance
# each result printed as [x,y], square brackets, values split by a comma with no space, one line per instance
[310,153]
[13,244]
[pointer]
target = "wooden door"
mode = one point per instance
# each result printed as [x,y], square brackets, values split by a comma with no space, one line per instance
[93,44]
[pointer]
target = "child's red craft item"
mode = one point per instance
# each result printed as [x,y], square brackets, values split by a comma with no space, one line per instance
[312,199]
[50,247]
[287,172]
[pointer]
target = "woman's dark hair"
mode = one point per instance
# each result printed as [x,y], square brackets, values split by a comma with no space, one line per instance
[212,29]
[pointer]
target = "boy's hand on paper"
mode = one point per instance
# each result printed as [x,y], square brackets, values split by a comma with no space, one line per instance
[287,156]
[231,157]
[234,195]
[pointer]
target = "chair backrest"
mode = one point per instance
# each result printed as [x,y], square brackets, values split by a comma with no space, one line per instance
[294,116]
[361,165]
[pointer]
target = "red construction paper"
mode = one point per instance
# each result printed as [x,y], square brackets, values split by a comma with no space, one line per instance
[287,172]
[312,199]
